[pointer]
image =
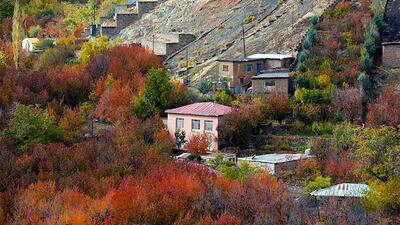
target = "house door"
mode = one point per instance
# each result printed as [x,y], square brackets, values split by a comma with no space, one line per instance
[258,68]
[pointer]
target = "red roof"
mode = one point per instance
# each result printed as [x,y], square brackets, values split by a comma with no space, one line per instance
[202,109]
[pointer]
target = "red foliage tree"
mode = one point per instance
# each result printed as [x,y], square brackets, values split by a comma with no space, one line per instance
[348,103]
[386,109]
[198,143]
[70,85]
[342,166]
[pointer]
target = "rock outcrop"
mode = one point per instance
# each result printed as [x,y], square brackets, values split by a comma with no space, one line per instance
[217,24]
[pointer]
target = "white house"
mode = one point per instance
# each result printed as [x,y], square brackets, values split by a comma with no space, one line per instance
[30,44]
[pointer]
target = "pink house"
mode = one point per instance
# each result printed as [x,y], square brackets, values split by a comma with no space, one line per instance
[197,118]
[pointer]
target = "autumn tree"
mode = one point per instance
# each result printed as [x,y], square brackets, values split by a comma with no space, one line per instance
[386,109]
[198,143]
[71,124]
[277,107]
[348,103]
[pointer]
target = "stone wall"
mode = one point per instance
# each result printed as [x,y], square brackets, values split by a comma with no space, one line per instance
[391,55]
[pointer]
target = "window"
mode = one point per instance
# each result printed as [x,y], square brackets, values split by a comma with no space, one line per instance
[195,125]
[225,68]
[208,125]
[269,83]
[249,67]
[179,123]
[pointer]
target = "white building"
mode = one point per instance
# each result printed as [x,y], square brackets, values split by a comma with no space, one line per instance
[30,44]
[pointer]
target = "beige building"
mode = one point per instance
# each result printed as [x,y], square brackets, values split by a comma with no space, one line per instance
[30,44]
[240,71]
[271,82]
[197,118]
[391,54]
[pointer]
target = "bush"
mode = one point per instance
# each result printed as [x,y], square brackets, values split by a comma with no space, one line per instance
[366,61]
[302,68]
[34,31]
[204,87]
[46,43]
[316,184]
[303,56]
[322,128]
[198,143]
[311,33]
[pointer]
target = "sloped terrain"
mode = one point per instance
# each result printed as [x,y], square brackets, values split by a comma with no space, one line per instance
[217,25]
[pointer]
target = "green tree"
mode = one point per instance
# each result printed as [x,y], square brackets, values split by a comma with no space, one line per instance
[3,60]
[383,196]
[316,184]
[6,9]
[379,149]
[154,98]
[203,87]
[222,97]
[30,124]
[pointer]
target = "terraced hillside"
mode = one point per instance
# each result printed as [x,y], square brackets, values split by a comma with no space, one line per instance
[217,24]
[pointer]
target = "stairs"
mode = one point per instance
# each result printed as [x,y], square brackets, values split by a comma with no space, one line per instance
[124,15]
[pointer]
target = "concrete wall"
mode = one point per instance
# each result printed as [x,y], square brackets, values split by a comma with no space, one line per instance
[281,85]
[213,135]
[146,6]
[391,55]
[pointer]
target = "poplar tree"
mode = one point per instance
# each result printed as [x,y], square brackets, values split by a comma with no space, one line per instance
[17,33]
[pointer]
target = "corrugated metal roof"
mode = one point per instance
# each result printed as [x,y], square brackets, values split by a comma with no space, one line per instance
[276,158]
[269,56]
[342,190]
[272,75]
[202,109]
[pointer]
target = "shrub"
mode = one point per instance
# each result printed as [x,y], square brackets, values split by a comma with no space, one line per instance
[46,43]
[34,31]
[322,128]
[303,56]
[249,18]
[363,82]
[204,87]
[302,68]
[316,184]
[366,61]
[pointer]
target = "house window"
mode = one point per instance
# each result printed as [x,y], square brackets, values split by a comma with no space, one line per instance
[249,67]
[269,83]
[195,125]
[241,80]
[225,68]
[179,123]
[208,125]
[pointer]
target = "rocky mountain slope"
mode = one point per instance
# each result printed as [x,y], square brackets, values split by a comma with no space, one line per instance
[217,24]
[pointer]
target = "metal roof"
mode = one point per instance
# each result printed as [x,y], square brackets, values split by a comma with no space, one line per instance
[276,158]
[269,56]
[342,190]
[280,74]
[202,109]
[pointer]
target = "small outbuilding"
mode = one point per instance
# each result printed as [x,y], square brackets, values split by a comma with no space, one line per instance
[30,44]
[275,164]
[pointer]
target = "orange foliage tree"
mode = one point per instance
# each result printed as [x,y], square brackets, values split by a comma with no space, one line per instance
[386,109]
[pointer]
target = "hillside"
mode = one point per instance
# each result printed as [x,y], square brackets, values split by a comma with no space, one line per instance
[277,28]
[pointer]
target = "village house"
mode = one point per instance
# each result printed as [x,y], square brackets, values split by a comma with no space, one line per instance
[203,117]
[239,72]
[30,44]
[275,164]
[271,82]
[391,54]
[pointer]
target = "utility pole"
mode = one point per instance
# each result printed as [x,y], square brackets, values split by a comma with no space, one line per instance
[244,41]
[187,66]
